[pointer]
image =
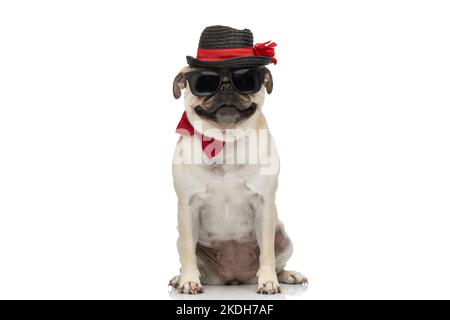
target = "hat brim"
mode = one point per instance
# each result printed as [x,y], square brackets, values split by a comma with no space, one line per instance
[241,62]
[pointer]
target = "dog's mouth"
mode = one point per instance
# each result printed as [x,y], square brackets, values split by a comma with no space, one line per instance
[226,113]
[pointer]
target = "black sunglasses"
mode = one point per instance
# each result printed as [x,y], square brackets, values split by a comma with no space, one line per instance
[206,82]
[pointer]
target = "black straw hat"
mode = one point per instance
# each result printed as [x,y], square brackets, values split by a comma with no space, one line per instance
[221,46]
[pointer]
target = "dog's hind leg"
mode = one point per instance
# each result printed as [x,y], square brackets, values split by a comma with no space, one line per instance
[291,277]
[283,251]
[175,282]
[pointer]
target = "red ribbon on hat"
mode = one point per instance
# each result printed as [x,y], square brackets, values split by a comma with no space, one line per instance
[265,49]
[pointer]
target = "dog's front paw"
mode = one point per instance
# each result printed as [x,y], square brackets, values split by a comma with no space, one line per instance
[187,283]
[190,287]
[269,287]
[268,282]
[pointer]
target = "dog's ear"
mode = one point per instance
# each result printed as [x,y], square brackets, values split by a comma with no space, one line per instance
[268,82]
[179,83]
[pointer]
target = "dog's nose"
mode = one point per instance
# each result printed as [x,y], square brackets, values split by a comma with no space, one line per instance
[226,88]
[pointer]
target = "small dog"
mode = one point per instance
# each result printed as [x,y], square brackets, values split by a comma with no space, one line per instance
[229,232]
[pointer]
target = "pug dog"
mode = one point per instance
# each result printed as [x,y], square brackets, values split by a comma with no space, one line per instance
[229,231]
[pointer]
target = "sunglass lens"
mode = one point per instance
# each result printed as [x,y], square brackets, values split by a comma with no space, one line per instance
[247,80]
[205,83]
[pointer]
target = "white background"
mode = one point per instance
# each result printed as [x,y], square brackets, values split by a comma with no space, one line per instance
[360,112]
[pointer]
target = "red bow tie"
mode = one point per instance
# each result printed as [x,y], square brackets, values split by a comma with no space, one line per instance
[210,146]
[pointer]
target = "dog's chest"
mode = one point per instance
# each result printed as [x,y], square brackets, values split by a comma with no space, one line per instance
[228,207]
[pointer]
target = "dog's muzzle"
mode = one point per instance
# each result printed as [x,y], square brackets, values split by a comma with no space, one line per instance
[226,113]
